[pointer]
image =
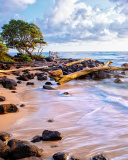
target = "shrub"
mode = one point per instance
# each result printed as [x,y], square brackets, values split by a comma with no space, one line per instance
[36,56]
[24,57]
[5,58]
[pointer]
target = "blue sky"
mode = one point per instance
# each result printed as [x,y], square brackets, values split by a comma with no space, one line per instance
[74,25]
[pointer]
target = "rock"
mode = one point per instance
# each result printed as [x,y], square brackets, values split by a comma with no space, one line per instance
[30,83]
[4,150]
[2,98]
[60,156]
[22,105]
[54,146]
[26,77]
[100,75]
[12,88]
[13,92]
[7,83]
[4,136]
[16,73]
[118,76]
[124,73]
[117,80]
[49,59]
[31,158]
[36,138]
[8,108]
[50,120]
[24,150]
[42,78]
[66,93]
[99,157]
[125,65]
[51,135]
[19,82]
[73,158]
[48,83]
[48,87]
[13,143]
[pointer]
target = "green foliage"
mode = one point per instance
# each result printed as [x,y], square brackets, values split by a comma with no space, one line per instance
[38,56]
[5,58]
[22,36]
[24,57]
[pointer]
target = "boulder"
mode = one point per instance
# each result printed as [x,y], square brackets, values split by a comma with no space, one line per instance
[4,150]
[51,135]
[24,150]
[100,75]
[2,98]
[60,156]
[13,143]
[8,108]
[99,157]
[36,138]
[48,87]
[4,136]
[7,83]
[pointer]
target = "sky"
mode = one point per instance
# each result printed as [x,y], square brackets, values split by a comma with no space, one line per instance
[73,25]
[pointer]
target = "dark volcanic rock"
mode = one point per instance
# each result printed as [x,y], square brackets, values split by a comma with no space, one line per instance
[22,105]
[13,143]
[23,151]
[4,136]
[4,150]
[26,77]
[30,83]
[2,98]
[42,78]
[8,108]
[36,138]
[13,92]
[50,120]
[66,93]
[51,135]
[19,82]
[48,87]
[12,88]
[73,158]
[124,73]
[125,65]
[117,80]
[49,59]
[60,156]
[100,75]
[7,83]
[48,83]
[99,157]
[31,158]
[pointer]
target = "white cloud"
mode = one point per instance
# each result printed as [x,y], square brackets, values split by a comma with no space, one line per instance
[14,5]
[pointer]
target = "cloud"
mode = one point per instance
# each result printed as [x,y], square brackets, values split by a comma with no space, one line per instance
[74,21]
[14,5]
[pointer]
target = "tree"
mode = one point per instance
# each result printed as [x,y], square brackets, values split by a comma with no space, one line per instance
[23,36]
[3,48]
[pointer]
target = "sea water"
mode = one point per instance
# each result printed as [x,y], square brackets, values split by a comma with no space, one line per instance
[93,118]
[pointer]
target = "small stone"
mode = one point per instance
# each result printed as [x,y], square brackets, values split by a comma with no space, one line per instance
[117,80]
[60,156]
[2,98]
[12,88]
[48,87]
[8,108]
[30,83]
[4,136]
[54,146]
[19,82]
[50,120]
[36,138]
[66,93]
[124,73]
[22,105]
[99,157]
[13,92]
[51,135]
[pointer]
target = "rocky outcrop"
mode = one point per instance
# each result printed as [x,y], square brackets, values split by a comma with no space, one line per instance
[51,135]
[25,150]
[8,108]
[4,150]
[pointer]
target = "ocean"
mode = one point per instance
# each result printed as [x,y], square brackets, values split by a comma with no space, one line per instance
[93,118]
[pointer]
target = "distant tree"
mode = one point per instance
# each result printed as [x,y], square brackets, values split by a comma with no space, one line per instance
[23,36]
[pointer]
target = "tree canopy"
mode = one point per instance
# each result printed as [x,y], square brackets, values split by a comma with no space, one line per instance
[23,36]
[3,48]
